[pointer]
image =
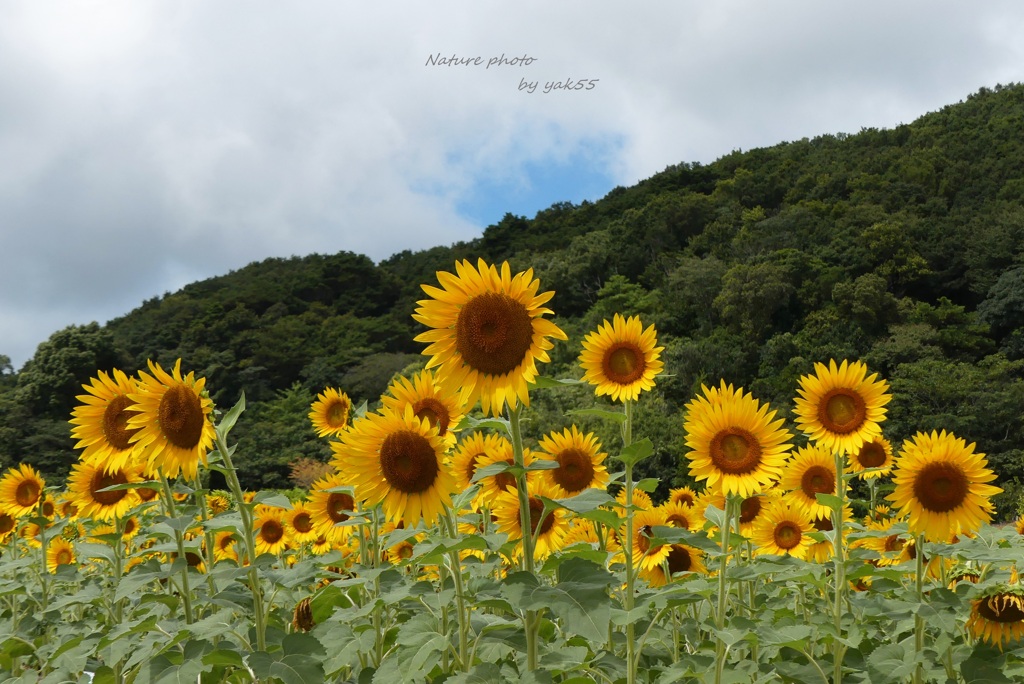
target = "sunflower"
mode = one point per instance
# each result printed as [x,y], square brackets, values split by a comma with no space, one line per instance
[940,483]
[841,407]
[811,471]
[224,543]
[397,459]
[736,445]
[874,453]
[271,532]
[173,419]
[86,482]
[645,555]
[8,523]
[892,549]
[583,531]
[641,499]
[328,508]
[783,530]
[680,558]
[751,509]
[217,503]
[621,358]
[997,616]
[680,515]
[487,333]
[493,485]
[329,413]
[580,462]
[59,551]
[321,545]
[101,420]
[822,551]
[21,488]
[469,453]
[300,523]
[683,495]
[443,410]
[549,532]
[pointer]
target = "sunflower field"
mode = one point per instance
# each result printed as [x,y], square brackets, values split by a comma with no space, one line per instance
[446,547]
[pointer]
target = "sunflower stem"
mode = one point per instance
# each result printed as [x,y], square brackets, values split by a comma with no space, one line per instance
[918,620]
[179,539]
[720,649]
[248,536]
[460,600]
[526,525]
[839,560]
[627,546]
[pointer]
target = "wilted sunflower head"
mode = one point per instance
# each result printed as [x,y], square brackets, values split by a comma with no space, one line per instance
[997,615]
[621,358]
[840,407]
[487,333]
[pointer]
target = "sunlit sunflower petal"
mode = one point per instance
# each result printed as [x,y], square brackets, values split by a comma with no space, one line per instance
[101,420]
[620,358]
[21,490]
[840,407]
[329,413]
[580,461]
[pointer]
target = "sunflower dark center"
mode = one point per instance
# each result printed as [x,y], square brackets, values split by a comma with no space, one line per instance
[684,498]
[679,559]
[872,455]
[193,559]
[623,363]
[493,333]
[893,543]
[147,493]
[506,481]
[787,535]
[471,466]
[643,538]
[337,505]
[678,520]
[130,526]
[536,511]
[49,508]
[405,551]
[101,480]
[7,523]
[735,451]
[823,523]
[27,492]
[63,557]
[271,531]
[1002,608]
[115,423]
[842,411]
[817,480]
[302,523]
[225,542]
[749,508]
[575,471]
[181,417]
[408,462]
[940,487]
[337,413]
[434,412]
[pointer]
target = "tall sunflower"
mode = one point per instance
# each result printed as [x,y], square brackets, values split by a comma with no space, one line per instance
[811,471]
[783,530]
[173,419]
[300,523]
[487,333]
[683,495]
[580,461]
[443,410]
[940,484]
[621,358]
[329,413]
[645,554]
[840,407]
[21,489]
[101,420]
[493,485]
[736,445]
[550,530]
[86,484]
[271,532]
[398,460]
[874,453]
[997,616]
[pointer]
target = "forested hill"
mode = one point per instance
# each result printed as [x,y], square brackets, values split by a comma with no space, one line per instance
[900,247]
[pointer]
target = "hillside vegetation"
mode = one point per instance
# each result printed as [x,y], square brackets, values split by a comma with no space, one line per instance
[902,247]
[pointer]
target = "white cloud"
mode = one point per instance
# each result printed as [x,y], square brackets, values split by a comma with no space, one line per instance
[147,144]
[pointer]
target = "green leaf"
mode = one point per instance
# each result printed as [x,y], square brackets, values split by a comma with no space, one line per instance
[230,418]
[648,484]
[543,382]
[543,464]
[830,500]
[497,469]
[637,451]
[268,498]
[471,423]
[617,416]
[298,668]
[586,501]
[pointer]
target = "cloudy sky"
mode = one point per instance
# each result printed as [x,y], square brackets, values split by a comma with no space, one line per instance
[148,144]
